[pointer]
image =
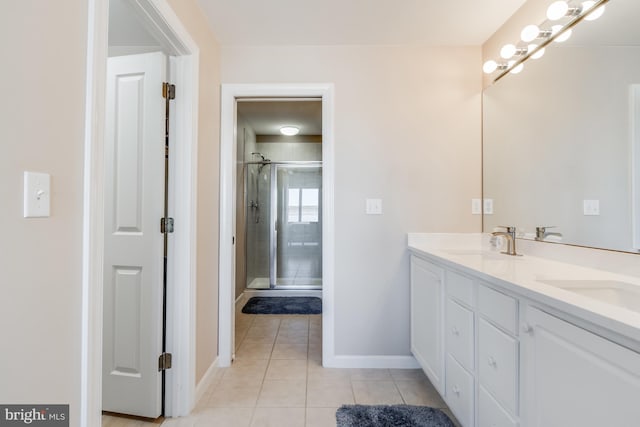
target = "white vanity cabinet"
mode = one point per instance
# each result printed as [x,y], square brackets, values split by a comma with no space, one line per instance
[427,319]
[573,377]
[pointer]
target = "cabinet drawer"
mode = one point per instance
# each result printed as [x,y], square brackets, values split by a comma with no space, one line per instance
[498,364]
[490,413]
[460,287]
[459,332]
[499,308]
[459,392]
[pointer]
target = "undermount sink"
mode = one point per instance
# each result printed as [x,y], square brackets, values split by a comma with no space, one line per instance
[621,294]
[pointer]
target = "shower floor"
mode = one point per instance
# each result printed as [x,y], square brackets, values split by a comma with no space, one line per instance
[286,283]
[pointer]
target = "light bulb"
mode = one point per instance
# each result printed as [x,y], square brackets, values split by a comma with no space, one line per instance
[557,10]
[591,15]
[564,36]
[517,69]
[289,130]
[530,33]
[490,66]
[538,54]
[507,51]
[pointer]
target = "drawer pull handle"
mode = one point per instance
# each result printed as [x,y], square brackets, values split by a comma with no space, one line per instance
[492,362]
[455,390]
[527,329]
[455,331]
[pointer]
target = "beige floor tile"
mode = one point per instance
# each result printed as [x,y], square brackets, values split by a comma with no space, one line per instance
[317,372]
[408,374]
[278,417]
[295,323]
[321,417]
[189,421]
[283,394]
[267,339]
[247,369]
[287,370]
[376,392]
[252,350]
[228,417]
[370,375]
[235,394]
[419,393]
[289,351]
[292,336]
[329,393]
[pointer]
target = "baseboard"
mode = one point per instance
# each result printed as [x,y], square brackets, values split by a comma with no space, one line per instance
[206,380]
[375,362]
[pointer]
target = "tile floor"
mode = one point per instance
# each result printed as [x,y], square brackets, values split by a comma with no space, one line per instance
[278,380]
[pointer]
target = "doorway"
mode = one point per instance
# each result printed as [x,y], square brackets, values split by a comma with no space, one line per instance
[156,19]
[279,195]
[232,172]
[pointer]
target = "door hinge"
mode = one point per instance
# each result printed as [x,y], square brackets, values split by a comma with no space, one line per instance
[168,91]
[166,225]
[164,361]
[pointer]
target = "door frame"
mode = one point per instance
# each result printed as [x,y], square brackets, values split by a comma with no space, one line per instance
[158,18]
[228,156]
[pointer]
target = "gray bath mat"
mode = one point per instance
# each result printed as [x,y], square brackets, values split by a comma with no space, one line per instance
[283,305]
[391,416]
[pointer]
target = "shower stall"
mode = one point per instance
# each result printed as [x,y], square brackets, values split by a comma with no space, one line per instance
[283,229]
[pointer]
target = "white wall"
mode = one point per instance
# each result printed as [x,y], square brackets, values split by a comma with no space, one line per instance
[42,122]
[407,130]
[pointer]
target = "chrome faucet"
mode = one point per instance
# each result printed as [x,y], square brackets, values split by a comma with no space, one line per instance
[541,233]
[510,235]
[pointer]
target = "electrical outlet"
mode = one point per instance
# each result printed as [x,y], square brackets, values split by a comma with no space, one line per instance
[476,206]
[488,206]
[374,207]
[591,207]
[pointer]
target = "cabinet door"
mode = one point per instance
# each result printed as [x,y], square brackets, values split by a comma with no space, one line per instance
[427,319]
[572,377]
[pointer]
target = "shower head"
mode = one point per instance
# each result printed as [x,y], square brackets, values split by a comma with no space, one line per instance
[259,154]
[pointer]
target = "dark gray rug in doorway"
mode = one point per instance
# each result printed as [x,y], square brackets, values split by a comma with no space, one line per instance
[391,416]
[283,305]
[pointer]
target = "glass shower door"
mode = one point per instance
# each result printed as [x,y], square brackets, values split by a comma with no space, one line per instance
[296,244]
[258,225]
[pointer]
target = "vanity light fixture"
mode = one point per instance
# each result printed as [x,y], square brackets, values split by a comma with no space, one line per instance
[560,9]
[590,13]
[557,29]
[289,130]
[508,51]
[517,54]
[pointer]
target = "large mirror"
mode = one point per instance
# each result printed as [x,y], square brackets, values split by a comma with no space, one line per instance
[558,138]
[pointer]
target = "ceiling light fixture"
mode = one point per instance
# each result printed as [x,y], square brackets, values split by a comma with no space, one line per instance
[289,130]
[591,14]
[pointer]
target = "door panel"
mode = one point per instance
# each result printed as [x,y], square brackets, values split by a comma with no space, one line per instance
[134,194]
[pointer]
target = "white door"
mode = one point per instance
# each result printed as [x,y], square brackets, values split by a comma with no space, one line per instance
[133,253]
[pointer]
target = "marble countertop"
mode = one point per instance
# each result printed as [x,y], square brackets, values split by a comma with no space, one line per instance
[525,275]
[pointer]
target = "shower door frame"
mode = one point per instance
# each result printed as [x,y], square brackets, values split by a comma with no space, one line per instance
[273,220]
[273,217]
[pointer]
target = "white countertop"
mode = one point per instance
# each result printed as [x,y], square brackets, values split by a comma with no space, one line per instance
[472,253]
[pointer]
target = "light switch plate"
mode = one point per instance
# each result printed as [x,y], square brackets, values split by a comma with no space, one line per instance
[37,194]
[488,206]
[591,207]
[374,207]
[476,206]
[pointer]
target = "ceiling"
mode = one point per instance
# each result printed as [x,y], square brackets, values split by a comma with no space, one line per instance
[125,29]
[267,117]
[356,22]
